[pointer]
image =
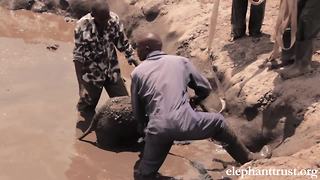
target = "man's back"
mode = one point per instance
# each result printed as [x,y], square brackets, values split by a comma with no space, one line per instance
[159,90]
[163,83]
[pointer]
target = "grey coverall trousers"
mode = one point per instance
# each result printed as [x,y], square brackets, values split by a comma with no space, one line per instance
[308,28]
[203,126]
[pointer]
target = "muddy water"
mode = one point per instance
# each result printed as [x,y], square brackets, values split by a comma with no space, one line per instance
[37,105]
[36,98]
[38,94]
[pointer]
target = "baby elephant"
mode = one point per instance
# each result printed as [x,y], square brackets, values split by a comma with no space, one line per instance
[114,124]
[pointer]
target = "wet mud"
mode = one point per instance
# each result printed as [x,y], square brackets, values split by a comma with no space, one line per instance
[39,92]
[37,108]
[37,105]
[37,96]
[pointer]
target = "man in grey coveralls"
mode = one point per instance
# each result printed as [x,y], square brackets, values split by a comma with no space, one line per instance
[161,106]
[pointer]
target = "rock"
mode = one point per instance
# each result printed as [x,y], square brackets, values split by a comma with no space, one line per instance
[40,7]
[53,47]
[64,4]
[151,11]
[133,2]
[21,4]
[115,124]
[79,8]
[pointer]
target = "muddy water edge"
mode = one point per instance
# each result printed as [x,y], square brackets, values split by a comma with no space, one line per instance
[37,105]
[38,117]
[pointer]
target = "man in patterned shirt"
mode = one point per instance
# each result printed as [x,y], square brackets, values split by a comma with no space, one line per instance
[96,35]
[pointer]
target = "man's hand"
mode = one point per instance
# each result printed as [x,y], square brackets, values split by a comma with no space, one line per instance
[116,77]
[133,61]
[194,101]
[140,129]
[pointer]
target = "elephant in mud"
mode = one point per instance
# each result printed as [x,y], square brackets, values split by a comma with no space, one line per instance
[114,124]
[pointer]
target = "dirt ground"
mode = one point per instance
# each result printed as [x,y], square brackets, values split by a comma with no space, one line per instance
[39,93]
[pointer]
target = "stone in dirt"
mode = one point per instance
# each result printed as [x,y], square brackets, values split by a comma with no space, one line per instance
[151,11]
[53,47]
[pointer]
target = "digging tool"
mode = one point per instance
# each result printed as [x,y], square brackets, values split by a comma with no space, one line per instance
[212,30]
[213,22]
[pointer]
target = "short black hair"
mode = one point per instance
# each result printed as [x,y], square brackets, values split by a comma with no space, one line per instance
[99,6]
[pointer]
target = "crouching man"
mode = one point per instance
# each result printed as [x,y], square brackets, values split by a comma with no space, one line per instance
[161,105]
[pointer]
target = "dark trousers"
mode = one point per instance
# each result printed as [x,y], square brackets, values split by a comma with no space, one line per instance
[90,94]
[308,28]
[157,147]
[238,18]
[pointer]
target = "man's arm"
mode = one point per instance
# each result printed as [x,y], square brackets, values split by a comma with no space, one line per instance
[122,43]
[137,104]
[81,51]
[198,82]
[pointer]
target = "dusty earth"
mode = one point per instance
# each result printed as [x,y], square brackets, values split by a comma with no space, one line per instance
[39,93]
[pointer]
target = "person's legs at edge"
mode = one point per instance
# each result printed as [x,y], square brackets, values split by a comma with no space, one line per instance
[308,28]
[287,55]
[238,18]
[256,19]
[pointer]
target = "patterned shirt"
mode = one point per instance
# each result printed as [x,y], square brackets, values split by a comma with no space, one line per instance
[97,52]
